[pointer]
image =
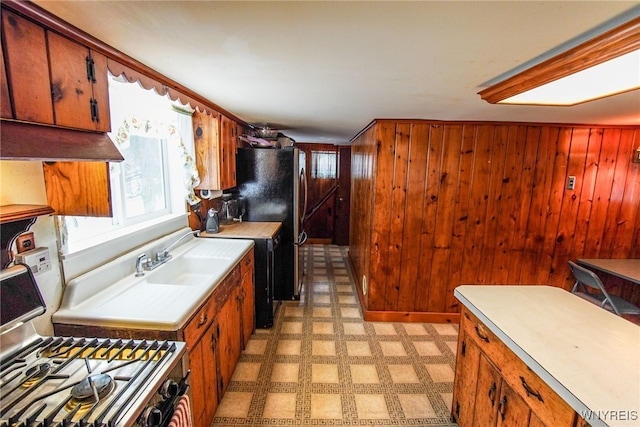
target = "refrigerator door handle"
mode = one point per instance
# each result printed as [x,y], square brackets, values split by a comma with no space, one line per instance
[302,239]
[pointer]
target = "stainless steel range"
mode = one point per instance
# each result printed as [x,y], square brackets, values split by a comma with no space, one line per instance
[80,381]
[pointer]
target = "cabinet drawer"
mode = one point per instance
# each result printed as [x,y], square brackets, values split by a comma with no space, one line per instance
[488,343]
[199,322]
[543,401]
[546,404]
[246,265]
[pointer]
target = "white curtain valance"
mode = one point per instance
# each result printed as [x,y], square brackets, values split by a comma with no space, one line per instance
[168,132]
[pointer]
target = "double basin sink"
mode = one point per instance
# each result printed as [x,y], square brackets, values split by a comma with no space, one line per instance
[162,299]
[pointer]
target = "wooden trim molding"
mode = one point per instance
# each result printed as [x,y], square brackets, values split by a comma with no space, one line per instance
[118,62]
[611,44]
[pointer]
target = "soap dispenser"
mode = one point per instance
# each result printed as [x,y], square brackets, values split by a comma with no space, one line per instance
[213,221]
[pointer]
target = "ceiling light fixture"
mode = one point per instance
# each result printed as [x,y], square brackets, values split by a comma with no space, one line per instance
[603,66]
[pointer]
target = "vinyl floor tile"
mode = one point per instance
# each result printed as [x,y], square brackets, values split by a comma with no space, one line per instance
[322,364]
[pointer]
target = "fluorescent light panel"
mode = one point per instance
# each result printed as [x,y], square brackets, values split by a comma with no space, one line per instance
[618,75]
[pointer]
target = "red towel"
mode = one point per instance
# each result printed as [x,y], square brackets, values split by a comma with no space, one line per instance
[182,414]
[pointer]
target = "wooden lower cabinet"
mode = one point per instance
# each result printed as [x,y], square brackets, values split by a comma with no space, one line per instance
[493,387]
[215,341]
[247,298]
[204,377]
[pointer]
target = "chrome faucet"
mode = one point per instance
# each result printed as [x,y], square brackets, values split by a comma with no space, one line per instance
[164,254]
[140,260]
[144,263]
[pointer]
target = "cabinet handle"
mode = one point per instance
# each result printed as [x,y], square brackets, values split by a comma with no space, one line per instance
[502,407]
[530,391]
[481,334]
[492,394]
[203,320]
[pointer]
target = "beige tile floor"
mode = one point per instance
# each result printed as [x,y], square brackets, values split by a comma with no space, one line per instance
[322,364]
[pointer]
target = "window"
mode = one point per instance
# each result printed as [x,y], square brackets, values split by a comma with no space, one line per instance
[150,131]
[323,164]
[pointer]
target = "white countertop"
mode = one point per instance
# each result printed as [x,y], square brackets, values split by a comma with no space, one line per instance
[108,297]
[590,357]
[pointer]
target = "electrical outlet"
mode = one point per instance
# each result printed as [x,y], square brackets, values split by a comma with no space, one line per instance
[636,156]
[25,242]
[571,183]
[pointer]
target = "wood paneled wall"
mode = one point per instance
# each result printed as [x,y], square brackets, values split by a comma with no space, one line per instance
[439,204]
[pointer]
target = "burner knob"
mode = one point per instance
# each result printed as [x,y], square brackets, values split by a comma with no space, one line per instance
[151,417]
[169,389]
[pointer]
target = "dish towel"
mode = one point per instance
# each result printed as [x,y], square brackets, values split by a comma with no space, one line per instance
[182,414]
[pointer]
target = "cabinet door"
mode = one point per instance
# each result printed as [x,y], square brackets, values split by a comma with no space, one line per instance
[73,77]
[247,297]
[228,143]
[229,349]
[205,133]
[78,188]
[5,100]
[464,392]
[204,386]
[512,410]
[487,394]
[100,90]
[27,68]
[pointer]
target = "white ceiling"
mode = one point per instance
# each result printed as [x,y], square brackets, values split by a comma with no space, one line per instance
[321,71]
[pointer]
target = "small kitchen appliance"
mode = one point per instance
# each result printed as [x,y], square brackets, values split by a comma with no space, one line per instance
[80,381]
[213,221]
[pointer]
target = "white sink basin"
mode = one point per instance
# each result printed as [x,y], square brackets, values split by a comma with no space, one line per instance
[164,298]
[186,271]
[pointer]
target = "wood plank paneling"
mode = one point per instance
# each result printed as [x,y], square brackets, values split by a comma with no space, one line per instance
[452,203]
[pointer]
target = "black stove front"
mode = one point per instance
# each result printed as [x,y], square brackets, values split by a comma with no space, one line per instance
[74,381]
[90,382]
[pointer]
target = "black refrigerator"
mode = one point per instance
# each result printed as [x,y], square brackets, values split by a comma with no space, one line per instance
[272,182]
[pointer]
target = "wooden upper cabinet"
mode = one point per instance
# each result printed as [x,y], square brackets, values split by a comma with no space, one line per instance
[5,101]
[79,86]
[228,142]
[215,141]
[27,69]
[51,79]
[207,148]
[78,188]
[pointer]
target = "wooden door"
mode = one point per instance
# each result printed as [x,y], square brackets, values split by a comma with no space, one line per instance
[204,383]
[247,297]
[71,89]
[321,192]
[228,144]
[343,197]
[487,394]
[512,410]
[78,188]
[5,101]
[206,140]
[27,68]
[228,319]
[464,392]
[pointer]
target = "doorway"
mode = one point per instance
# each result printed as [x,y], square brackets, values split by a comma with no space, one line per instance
[328,193]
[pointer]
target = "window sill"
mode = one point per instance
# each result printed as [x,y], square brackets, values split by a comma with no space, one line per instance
[95,252]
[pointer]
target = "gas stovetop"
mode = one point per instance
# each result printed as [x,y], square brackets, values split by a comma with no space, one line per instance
[59,381]
[74,381]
